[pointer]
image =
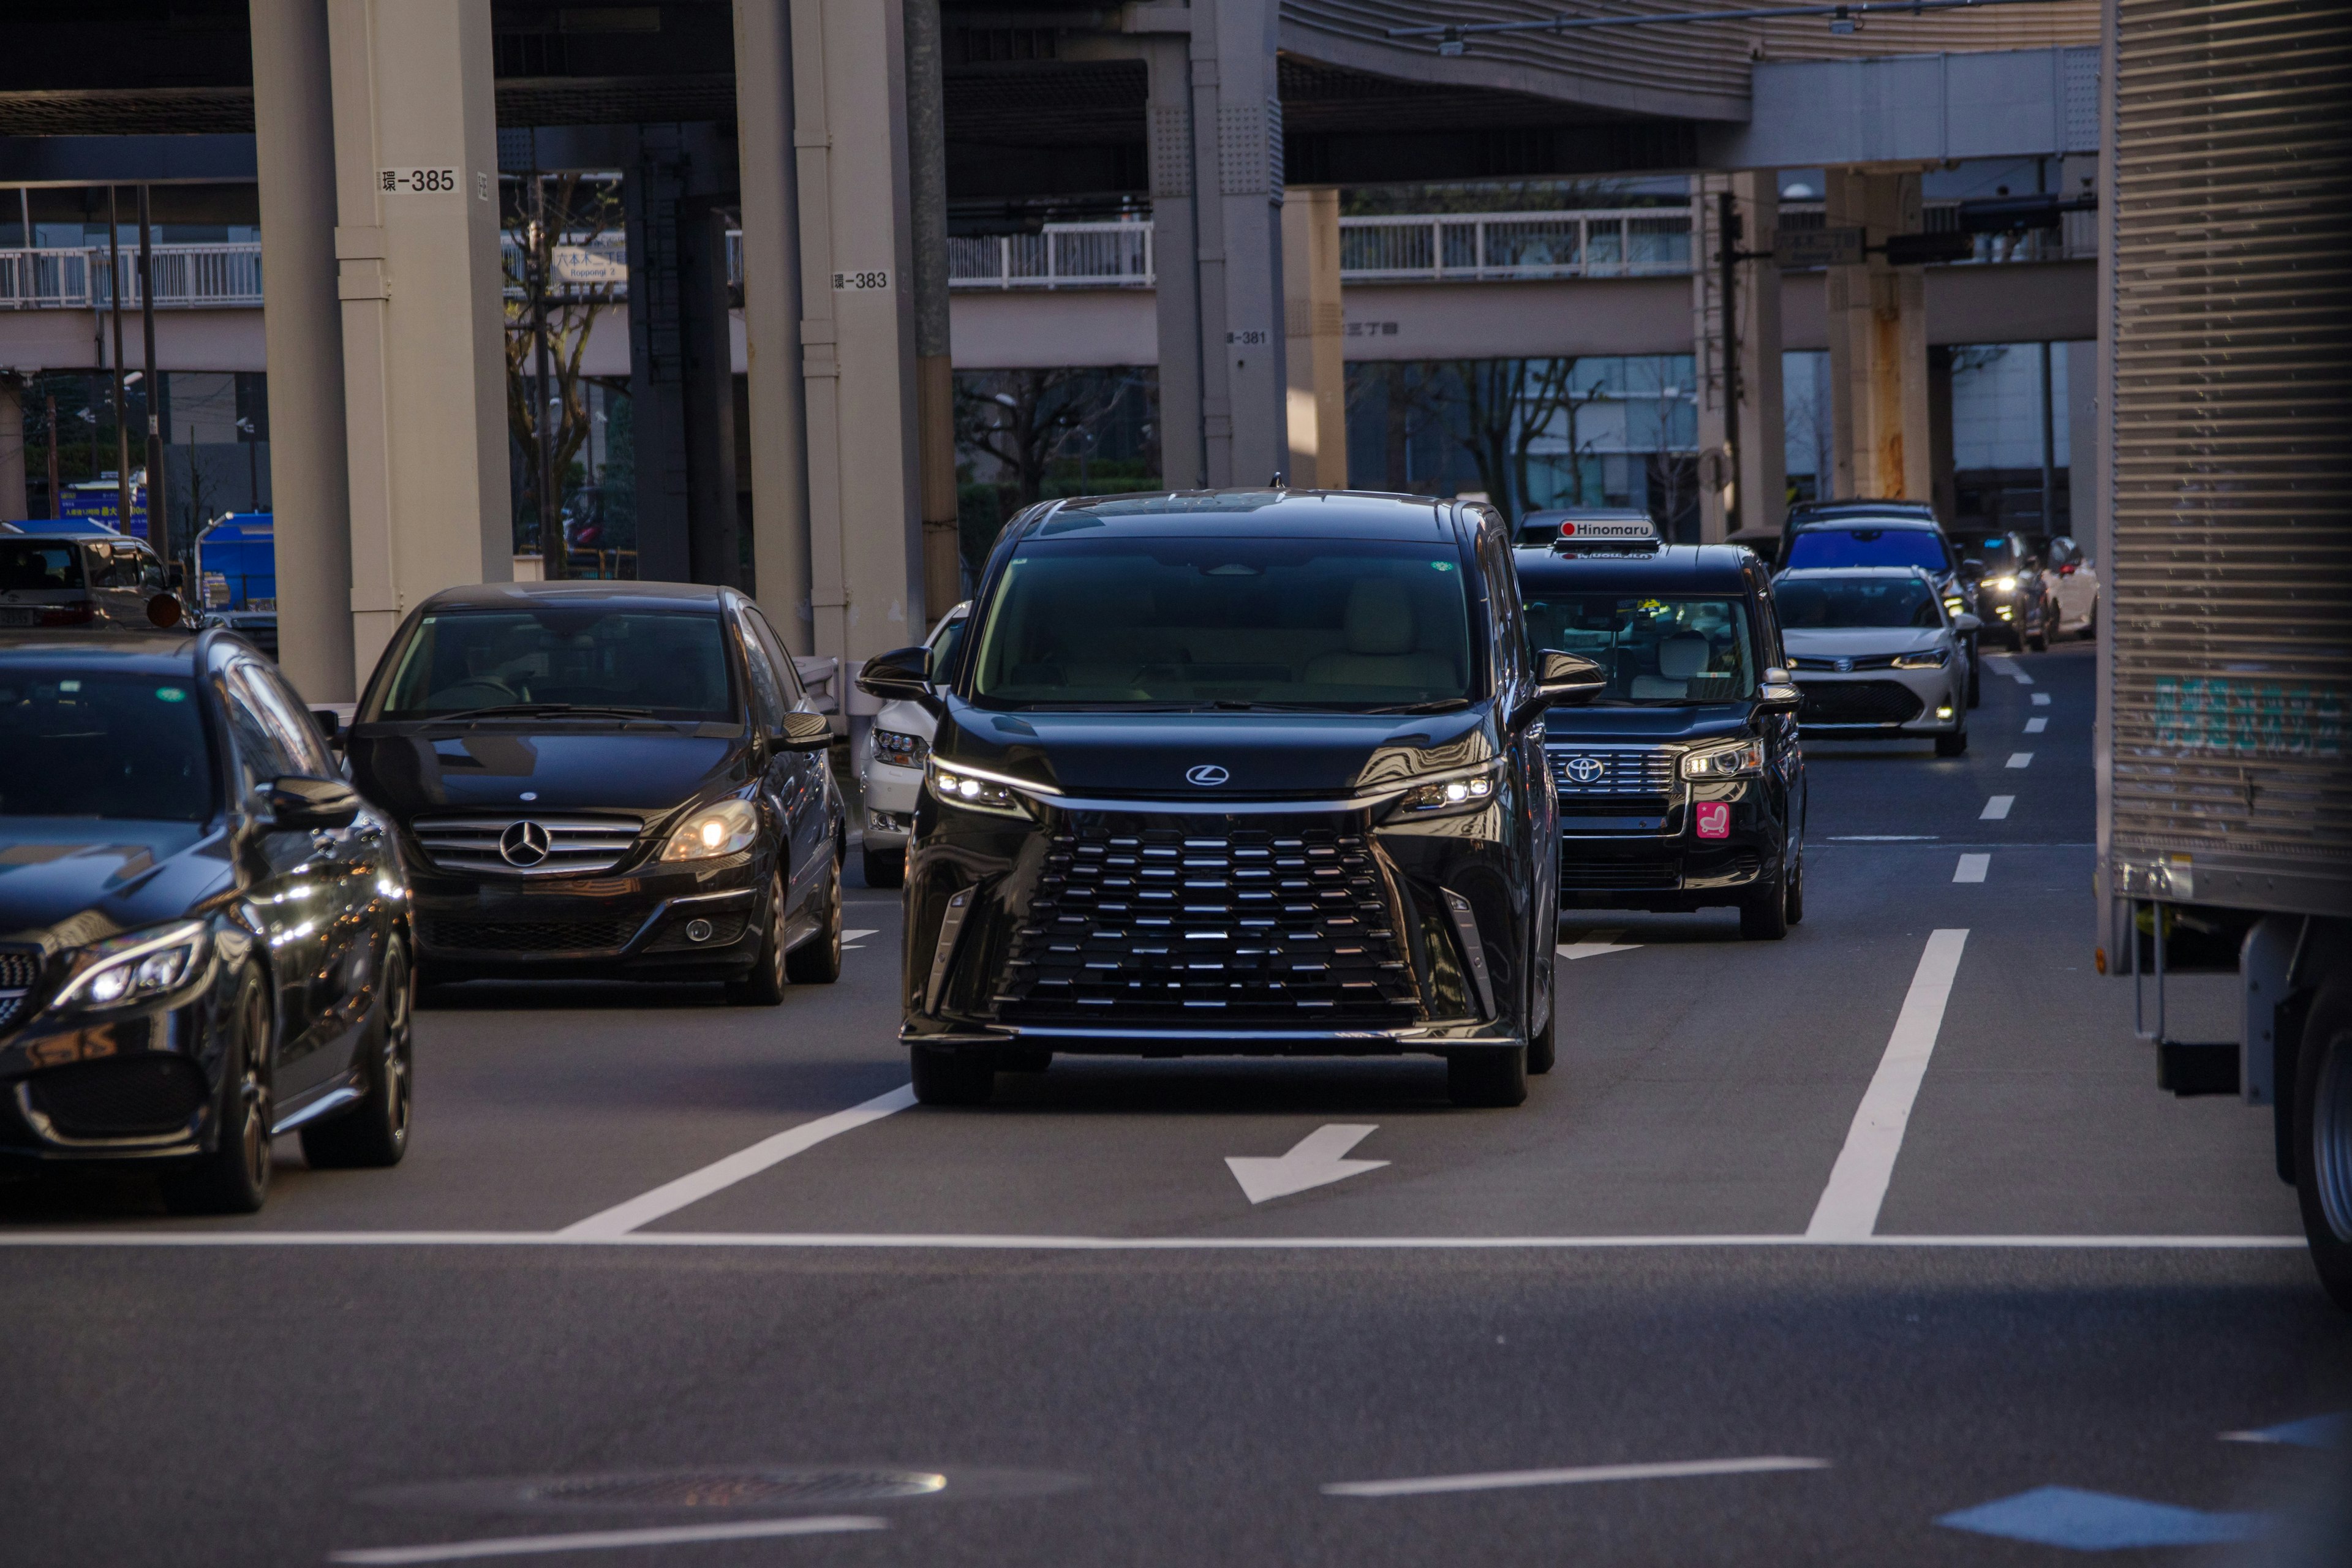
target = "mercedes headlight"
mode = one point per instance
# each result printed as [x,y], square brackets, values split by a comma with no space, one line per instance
[1934,659]
[1724,762]
[1458,792]
[900,751]
[129,970]
[721,828]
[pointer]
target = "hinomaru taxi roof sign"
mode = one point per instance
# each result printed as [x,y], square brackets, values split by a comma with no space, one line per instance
[1618,534]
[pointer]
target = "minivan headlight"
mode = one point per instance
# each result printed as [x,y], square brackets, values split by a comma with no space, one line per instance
[1724,762]
[129,970]
[723,827]
[975,790]
[1459,793]
[1933,658]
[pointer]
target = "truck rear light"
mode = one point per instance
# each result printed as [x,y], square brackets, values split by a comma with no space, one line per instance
[76,615]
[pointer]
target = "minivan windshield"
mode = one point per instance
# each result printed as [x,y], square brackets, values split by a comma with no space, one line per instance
[1824,604]
[1817,547]
[102,743]
[1329,623]
[659,664]
[1654,648]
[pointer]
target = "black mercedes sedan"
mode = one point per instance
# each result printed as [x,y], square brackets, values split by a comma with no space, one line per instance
[1250,772]
[614,779]
[203,934]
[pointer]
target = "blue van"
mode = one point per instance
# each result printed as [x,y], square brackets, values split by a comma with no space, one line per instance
[236,565]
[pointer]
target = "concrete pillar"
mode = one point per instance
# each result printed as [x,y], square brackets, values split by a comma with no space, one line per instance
[1168,67]
[1742,422]
[1877,321]
[771,315]
[417,186]
[1237,132]
[1943,483]
[302,330]
[927,176]
[15,501]
[1763,422]
[714,533]
[1713,359]
[857,340]
[651,192]
[1316,327]
[2083,437]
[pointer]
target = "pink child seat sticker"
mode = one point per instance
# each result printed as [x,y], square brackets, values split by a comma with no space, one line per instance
[1715,819]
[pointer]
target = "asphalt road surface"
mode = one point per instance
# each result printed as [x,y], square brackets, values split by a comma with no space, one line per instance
[1875,1245]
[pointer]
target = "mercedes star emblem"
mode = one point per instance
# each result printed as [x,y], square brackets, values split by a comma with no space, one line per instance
[1208,775]
[1586,770]
[524,844]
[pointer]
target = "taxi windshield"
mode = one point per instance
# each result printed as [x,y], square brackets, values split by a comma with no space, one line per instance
[1655,648]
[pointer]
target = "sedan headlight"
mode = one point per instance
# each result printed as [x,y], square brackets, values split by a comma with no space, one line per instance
[1460,793]
[132,969]
[720,829]
[1934,659]
[1724,762]
[898,750]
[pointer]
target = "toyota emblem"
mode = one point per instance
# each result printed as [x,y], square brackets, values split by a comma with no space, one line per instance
[1208,775]
[524,844]
[1585,770]
[1845,666]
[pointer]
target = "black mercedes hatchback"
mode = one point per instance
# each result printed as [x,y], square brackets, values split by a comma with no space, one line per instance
[606,779]
[204,934]
[1241,772]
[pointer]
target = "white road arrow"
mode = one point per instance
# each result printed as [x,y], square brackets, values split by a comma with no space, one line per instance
[1595,944]
[1315,1161]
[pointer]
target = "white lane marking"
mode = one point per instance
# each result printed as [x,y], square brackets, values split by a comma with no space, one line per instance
[167,1240]
[1996,808]
[1848,1209]
[697,1185]
[606,1540]
[1883,837]
[2042,699]
[2020,759]
[1495,1481]
[849,938]
[1313,1162]
[1971,869]
[1596,943]
[2035,726]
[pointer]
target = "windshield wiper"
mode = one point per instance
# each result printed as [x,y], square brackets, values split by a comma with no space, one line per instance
[532,709]
[1435,705]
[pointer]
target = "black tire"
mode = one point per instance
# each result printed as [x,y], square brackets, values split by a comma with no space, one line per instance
[764,985]
[1796,902]
[1764,913]
[1976,678]
[2323,1138]
[817,960]
[1493,1077]
[1543,1046]
[1955,744]
[374,1133]
[883,868]
[233,1177]
[1024,1058]
[947,1076]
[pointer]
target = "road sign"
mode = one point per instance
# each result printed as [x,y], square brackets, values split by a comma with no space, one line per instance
[1797,248]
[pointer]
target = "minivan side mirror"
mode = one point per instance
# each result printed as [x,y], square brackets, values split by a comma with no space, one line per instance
[1561,678]
[803,733]
[297,804]
[904,674]
[1971,570]
[1777,690]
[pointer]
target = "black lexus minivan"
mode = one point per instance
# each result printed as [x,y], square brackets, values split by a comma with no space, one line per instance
[1241,772]
[1682,783]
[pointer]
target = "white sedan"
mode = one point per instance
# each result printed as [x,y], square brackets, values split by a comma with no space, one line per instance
[891,771]
[2076,579]
[1875,655]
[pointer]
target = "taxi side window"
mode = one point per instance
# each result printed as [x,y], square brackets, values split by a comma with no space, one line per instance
[1768,621]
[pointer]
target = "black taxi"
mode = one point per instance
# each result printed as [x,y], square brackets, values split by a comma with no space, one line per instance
[1681,784]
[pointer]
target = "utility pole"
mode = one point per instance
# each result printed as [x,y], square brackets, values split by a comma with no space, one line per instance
[121,425]
[158,515]
[2049,453]
[57,500]
[1728,259]
[543,251]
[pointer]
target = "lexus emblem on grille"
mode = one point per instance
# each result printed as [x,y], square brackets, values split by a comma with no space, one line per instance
[524,844]
[1208,775]
[1845,667]
[1585,770]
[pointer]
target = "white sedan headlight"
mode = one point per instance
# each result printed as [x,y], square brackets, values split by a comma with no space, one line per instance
[1933,658]
[1724,762]
[132,969]
[898,750]
[721,828]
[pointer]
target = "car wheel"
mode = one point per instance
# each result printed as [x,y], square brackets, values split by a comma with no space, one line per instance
[374,1133]
[1955,744]
[883,868]
[1495,1077]
[946,1076]
[2323,1138]
[233,1177]
[764,986]
[1764,913]
[1543,1048]
[817,961]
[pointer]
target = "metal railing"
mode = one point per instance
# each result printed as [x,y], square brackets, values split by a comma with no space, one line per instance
[186,276]
[1064,255]
[1604,242]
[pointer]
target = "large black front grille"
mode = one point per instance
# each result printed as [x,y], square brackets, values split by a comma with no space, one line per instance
[18,973]
[1294,928]
[1857,702]
[1627,770]
[122,1097]
[464,938]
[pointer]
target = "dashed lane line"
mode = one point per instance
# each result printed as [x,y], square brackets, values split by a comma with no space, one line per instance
[1582,1475]
[606,1540]
[2035,726]
[2042,699]
[2020,759]
[1972,868]
[1848,1209]
[744,1163]
[1996,808]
